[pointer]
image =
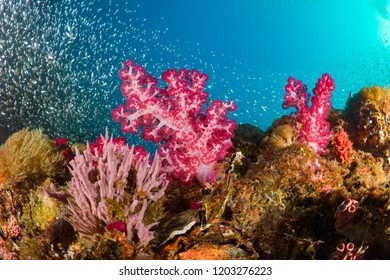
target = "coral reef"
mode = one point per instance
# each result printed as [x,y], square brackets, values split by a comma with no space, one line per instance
[273,195]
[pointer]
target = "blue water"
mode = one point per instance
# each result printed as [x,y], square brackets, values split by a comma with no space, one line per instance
[251,47]
[248,49]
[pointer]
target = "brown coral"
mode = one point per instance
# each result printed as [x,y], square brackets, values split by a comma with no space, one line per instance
[368,120]
[283,136]
[28,157]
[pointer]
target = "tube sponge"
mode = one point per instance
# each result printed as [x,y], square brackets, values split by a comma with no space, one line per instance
[28,157]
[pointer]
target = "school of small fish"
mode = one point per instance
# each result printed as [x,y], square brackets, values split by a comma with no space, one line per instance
[59,62]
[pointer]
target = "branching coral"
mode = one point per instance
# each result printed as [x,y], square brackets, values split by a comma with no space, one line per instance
[191,141]
[315,130]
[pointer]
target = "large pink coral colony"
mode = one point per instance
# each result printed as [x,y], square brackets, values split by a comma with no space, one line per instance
[191,142]
[315,130]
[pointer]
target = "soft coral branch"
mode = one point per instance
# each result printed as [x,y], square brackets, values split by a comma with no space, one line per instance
[315,130]
[191,141]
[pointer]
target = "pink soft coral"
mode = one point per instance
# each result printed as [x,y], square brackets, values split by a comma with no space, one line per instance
[315,130]
[191,142]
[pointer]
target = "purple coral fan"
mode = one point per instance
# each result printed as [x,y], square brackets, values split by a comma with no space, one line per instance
[99,179]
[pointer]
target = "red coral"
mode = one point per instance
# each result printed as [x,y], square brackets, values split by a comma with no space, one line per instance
[343,146]
[61,141]
[63,145]
[119,142]
[191,141]
[119,226]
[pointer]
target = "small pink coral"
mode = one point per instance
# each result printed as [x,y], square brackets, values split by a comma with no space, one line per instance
[5,255]
[326,189]
[13,226]
[345,213]
[5,252]
[315,169]
[315,130]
